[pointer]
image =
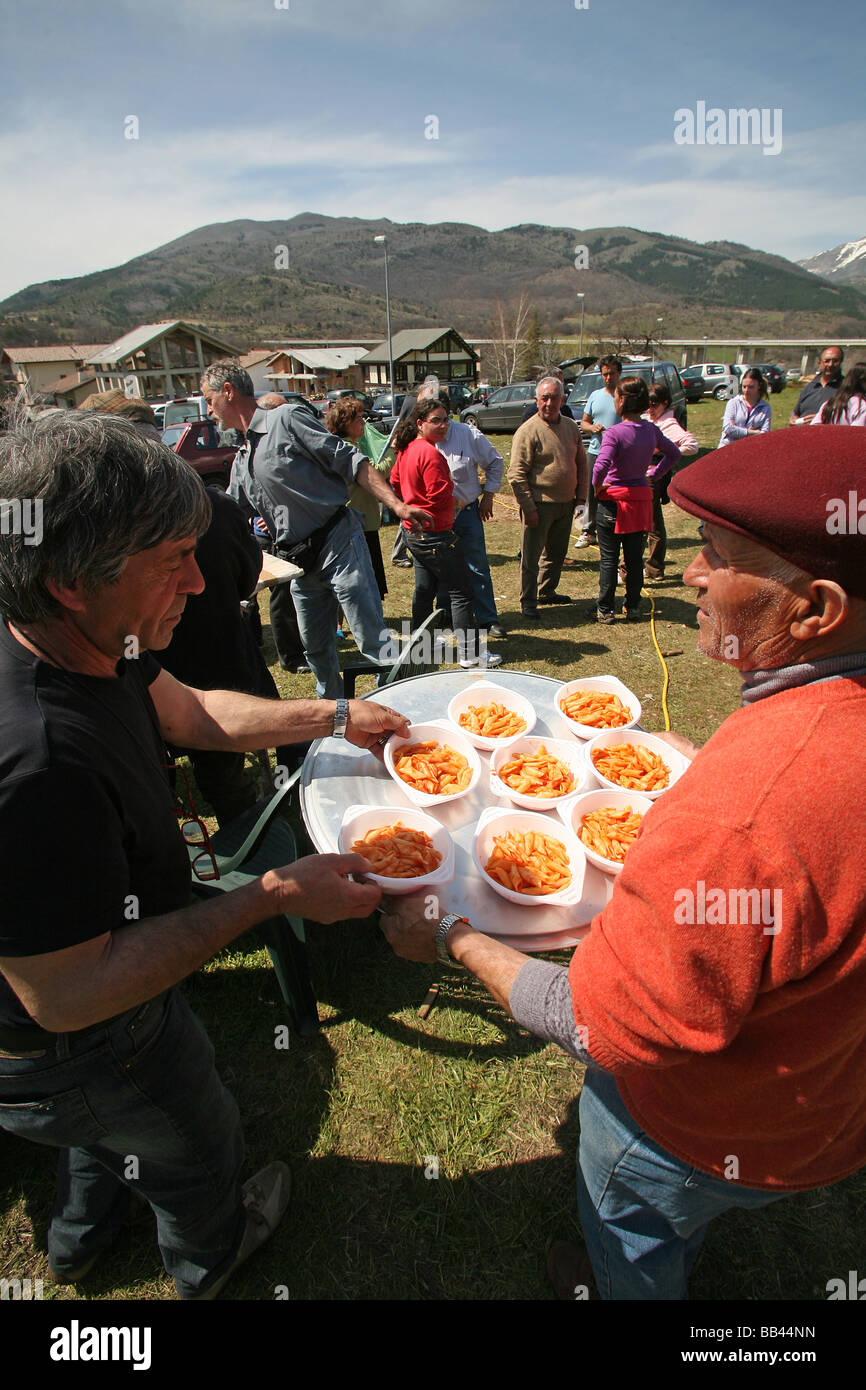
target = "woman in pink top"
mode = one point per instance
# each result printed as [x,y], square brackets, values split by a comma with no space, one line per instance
[848,406]
[660,414]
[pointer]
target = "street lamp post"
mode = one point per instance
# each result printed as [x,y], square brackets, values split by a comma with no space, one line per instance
[582,306]
[383,241]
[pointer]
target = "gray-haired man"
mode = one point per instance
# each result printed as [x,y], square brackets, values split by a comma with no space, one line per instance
[296,475]
[99,1054]
[549,474]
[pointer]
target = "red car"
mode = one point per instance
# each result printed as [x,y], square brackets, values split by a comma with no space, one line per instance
[205,447]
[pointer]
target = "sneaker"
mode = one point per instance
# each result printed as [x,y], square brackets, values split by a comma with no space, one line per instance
[632,615]
[403,564]
[486,659]
[266,1197]
[496,630]
[653,578]
[569,1270]
[583,542]
[604,617]
[556,598]
[530,613]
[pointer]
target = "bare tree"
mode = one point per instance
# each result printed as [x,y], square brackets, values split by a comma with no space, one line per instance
[507,332]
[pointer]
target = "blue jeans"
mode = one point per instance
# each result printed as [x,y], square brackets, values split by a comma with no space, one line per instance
[135,1105]
[470,528]
[643,1212]
[343,579]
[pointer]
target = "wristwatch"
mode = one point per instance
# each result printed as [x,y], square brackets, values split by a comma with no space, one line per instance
[443,955]
[341,719]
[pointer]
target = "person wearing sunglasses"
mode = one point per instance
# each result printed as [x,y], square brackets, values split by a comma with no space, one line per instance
[100,1056]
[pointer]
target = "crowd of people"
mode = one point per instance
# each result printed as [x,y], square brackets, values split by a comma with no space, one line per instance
[692,1038]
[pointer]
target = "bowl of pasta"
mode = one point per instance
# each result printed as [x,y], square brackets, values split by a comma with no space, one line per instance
[595,703]
[529,859]
[407,849]
[491,716]
[630,760]
[607,824]
[432,763]
[538,773]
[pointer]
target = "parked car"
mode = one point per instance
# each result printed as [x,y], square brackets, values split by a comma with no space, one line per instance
[693,384]
[773,375]
[504,408]
[718,379]
[384,405]
[183,408]
[793,375]
[209,450]
[331,396]
[459,394]
[665,372]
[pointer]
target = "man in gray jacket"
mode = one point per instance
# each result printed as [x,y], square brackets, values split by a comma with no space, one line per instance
[296,475]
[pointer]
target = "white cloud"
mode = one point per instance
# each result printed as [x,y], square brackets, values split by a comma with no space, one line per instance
[136,195]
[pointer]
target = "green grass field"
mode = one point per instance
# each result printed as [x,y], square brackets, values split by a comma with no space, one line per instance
[360,1111]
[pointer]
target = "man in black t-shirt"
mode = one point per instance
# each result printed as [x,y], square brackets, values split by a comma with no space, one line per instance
[99,1054]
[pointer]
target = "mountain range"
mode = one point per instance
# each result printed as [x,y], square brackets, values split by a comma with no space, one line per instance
[320,277]
[845,262]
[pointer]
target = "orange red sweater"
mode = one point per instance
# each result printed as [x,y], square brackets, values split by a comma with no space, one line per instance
[735,1023]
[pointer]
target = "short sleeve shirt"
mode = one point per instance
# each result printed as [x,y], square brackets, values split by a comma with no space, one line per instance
[89,841]
[602,411]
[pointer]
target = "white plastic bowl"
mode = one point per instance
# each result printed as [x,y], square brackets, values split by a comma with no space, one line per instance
[573,812]
[486,693]
[611,686]
[358,820]
[441,732]
[495,822]
[675,761]
[566,750]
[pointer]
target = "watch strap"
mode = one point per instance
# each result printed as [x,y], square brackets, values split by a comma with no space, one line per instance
[443,955]
[341,719]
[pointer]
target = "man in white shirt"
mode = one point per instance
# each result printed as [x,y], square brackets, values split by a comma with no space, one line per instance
[468,450]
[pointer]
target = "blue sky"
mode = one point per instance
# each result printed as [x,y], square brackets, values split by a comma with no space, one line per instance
[546,113]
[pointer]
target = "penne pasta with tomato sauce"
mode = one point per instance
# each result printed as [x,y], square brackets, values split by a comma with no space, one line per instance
[528,862]
[610,831]
[492,721]
[599,709]
[396,851]
[537,774]
[633,766]
[432,769]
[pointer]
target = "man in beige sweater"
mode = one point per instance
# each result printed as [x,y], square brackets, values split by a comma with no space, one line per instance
[549,474]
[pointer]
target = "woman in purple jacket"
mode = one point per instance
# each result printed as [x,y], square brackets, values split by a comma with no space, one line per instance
[622,479]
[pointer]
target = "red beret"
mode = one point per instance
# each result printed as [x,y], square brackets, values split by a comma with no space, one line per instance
[800,491]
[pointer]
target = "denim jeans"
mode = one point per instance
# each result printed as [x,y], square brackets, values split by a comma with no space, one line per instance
[643,1212]
[632,548]
[439,560]
[343,579]
[135,1105]
[470,528]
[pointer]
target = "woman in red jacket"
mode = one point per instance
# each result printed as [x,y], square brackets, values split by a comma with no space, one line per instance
[421,476]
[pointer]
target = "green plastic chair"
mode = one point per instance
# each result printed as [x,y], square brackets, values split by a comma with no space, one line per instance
[245,849]
[410,662]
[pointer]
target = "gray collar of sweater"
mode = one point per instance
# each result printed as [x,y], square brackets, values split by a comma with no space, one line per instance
[758,684]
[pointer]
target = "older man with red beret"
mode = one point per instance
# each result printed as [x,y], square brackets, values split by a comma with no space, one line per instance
[717,1001]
